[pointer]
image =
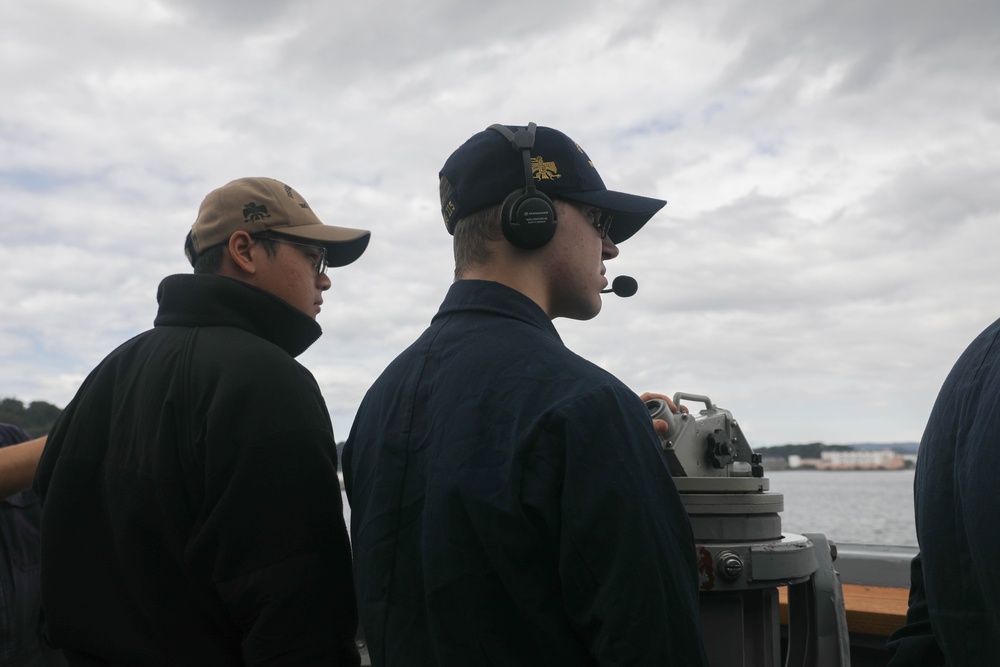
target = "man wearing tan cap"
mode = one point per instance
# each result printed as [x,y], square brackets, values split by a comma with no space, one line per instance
[192,508]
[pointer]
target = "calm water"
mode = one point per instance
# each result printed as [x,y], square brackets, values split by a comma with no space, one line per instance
[860,507]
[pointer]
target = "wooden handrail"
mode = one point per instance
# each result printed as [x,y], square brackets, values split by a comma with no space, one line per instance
[871,610]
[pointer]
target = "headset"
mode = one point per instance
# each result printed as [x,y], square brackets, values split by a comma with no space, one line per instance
[527,217]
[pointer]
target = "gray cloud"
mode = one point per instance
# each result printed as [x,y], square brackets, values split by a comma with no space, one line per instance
[822,261]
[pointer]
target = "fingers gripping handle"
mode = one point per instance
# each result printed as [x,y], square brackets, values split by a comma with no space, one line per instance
[658,409]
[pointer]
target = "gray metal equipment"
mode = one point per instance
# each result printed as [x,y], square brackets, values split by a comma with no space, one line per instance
[743,557]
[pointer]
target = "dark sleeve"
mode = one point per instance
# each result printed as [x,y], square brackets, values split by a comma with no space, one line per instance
[12,435]
[914,645]
[54,442]
[274,536]
[626,551]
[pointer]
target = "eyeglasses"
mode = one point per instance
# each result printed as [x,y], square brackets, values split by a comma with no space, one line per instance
[599,218]
[319,262]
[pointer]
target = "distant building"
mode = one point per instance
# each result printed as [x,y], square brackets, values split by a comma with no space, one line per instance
[842,459]
[883,459]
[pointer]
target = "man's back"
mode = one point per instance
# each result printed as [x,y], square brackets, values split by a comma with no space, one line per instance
[191,498]
[955,593]
[510,504]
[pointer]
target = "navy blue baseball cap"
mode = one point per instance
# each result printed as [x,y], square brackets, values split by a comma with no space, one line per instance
[487,168]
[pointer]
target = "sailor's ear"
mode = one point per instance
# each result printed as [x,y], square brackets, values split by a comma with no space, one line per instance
[241,252]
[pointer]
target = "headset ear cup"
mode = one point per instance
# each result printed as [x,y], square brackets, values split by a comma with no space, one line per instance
[528,221]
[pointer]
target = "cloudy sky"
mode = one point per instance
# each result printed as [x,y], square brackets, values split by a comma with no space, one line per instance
[832,169]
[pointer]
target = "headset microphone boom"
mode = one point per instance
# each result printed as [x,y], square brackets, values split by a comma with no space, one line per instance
[623,286]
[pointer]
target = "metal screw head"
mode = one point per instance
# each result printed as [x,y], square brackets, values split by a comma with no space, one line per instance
[729,565]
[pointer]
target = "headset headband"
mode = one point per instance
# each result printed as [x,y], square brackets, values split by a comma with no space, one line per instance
[523,141]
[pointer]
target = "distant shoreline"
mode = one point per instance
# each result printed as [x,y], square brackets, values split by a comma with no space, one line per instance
[766,471]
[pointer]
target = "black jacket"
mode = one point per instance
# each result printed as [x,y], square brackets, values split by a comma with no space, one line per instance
[193,513]
[510,504]
[954,612]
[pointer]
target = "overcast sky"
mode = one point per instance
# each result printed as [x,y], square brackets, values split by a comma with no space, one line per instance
[832,170]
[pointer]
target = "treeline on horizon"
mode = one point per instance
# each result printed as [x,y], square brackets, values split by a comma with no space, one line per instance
[36,418]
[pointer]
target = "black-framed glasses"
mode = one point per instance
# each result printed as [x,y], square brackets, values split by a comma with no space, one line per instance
[319,262]
[599,218]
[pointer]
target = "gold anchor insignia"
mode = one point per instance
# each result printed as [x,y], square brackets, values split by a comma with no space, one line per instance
[544,171]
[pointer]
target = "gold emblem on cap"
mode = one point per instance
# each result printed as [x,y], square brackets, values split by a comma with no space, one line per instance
[544,171]
[589,161]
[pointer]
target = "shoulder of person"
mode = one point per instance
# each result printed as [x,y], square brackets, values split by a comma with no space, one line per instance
[606,401]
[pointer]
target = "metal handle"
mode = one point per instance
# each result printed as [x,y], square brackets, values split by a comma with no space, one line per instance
[679,396]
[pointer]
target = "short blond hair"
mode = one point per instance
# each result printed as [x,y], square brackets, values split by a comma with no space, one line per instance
[473,234]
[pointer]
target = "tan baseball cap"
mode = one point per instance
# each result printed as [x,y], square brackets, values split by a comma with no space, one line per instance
[258,205]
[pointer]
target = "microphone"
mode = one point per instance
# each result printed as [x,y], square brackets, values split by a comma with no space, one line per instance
[623,286]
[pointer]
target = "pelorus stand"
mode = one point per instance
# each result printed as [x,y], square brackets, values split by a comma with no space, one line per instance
[743,557]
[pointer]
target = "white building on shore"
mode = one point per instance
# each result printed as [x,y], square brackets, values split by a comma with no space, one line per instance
[858,459]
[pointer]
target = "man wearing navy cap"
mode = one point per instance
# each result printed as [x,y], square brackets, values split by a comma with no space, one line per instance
[510,503]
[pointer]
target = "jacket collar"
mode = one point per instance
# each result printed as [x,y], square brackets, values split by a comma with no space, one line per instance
[493,297]
[206,301]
